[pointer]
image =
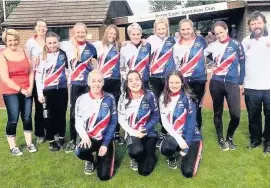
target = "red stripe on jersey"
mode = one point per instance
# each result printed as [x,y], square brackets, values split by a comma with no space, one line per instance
[192,63]
[80,69]
[161,61]
[112,162]
[131,120]
[110,65]
[100,126]
[196,165]
[142,121]
[180,121]
[225,64]
[142,64]
[53,77]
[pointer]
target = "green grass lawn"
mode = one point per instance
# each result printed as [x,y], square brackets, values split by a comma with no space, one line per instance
[244,168]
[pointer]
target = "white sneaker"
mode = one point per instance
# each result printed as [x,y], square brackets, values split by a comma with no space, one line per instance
[16,151]
[31,148]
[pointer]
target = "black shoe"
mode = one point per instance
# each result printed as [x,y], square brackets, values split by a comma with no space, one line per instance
[133,164]
[172,163]
[118,140]
[53,146]
[254,144]
[161,139]
[89,167]
[231,145]
[266,147]
[70,146]
[223,145]
[61,143]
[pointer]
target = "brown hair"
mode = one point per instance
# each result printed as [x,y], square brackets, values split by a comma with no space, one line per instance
[254,16]
[45,49]
[127,90]
[220,24]
[11,32]
[105,41]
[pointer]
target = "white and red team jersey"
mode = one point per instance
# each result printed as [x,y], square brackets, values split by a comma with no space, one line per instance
[96,118]
[162,56]
[108,59]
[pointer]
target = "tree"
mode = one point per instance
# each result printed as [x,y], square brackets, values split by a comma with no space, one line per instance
[202,2]
[10,5]
[156,6]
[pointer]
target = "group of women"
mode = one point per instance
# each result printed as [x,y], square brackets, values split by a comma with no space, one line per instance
[134,86]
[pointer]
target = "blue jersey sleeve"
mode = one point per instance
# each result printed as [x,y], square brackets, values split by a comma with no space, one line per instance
[154,116]
[241,58]
[110,130]
[190,121]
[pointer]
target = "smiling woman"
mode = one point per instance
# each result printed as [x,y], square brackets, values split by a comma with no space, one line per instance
[17,77]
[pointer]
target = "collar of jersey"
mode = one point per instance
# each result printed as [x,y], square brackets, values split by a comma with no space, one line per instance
[92,97]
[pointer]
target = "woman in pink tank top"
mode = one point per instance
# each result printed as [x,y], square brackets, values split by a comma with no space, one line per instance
[17,76]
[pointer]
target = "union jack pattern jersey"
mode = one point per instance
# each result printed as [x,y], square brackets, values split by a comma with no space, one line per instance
[136,58]
[79,70]
[108,60]
[179,118]
[51,72]
[96,118]
[141,112]
[190,60]
[230,61]
[162,62]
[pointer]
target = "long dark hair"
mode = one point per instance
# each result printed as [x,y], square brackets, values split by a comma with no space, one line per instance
[185,88]
[127,90]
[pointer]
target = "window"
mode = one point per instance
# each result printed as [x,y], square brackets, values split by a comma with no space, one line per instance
[62,32]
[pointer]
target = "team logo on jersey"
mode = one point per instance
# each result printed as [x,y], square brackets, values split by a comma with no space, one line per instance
[168,43]
[61,57]
[86,52]
[104,105]
[229,48]
[145,104]
[143,49]
[180,104]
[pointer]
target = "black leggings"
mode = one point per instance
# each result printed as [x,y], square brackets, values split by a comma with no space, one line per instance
[143,151]
[190,162]
[39,122]
[105,164]
[76,91]
[198,88]
[231,92]
[56,100]
[112,86]
[157,86]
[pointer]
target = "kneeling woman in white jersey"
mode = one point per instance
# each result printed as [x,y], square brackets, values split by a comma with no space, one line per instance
[95,122]
[178,114]
[138,114]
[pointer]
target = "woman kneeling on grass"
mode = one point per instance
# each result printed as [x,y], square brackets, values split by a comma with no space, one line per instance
[178,114]
[138,114]
[17,76]
[95,121]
